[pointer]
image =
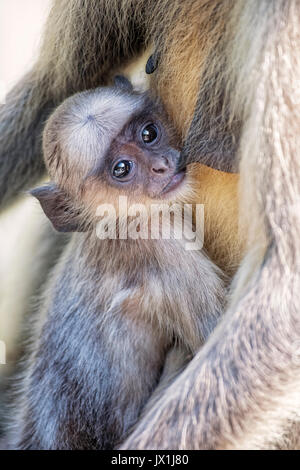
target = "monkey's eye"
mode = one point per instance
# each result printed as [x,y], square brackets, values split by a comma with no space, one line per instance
[149,133]
[122,168]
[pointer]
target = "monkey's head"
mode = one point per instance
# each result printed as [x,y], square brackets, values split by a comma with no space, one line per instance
[101,144]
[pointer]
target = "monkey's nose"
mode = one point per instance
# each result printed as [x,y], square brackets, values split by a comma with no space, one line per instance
[160,165]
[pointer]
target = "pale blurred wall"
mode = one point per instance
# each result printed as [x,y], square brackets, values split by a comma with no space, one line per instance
[21,23]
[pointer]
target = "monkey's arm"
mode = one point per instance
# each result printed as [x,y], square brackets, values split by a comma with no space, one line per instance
[84,44]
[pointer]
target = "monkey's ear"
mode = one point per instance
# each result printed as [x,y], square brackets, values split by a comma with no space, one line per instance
[57,207]
[122,82]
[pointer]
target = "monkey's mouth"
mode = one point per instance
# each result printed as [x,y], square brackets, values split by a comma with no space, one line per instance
[176,181]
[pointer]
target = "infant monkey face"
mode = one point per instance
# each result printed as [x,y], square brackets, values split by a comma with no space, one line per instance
[141,163]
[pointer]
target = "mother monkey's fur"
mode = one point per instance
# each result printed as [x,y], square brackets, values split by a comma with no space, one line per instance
[227,73]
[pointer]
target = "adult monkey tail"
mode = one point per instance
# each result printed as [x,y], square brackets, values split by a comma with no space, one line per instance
[85,42]
[242,389]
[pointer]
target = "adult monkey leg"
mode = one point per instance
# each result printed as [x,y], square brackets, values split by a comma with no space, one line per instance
[242,389]
[85,42]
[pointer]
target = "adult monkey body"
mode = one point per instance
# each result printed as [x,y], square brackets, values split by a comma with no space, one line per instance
[241,61]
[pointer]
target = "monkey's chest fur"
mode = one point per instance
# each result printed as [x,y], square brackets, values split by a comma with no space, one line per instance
[112,312]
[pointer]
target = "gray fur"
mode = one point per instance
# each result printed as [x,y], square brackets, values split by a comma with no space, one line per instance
[95,365]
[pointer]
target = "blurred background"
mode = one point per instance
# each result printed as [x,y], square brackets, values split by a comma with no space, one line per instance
[21,23]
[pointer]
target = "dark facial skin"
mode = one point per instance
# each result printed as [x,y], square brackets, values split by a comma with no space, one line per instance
[143,159]
[140,160]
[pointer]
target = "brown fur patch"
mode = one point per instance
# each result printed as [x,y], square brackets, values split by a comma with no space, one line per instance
[218,191]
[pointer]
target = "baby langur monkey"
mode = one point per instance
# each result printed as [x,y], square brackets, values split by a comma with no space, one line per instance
[114,307]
